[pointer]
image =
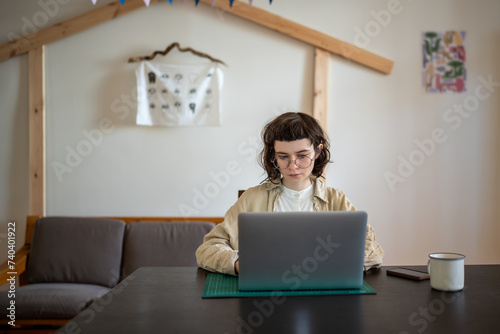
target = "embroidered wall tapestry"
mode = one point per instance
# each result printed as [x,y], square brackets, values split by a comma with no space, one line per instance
[178,95]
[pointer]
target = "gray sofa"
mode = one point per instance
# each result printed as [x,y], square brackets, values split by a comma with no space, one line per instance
[74,260]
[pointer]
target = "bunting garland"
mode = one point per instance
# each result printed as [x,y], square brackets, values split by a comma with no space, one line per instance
[196,2]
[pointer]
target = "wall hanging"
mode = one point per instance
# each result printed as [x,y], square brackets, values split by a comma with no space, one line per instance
[443,61]
[178,95]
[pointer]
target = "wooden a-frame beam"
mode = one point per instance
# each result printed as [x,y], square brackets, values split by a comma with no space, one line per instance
[241,9]
[305,34]
[37,131]
[69,27]
[320,86]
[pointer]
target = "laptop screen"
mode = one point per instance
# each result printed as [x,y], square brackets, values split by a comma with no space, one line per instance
[301,250]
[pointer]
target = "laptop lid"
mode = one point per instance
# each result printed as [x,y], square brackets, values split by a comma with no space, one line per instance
[301,250]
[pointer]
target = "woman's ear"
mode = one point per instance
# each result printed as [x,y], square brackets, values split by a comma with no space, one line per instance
[318,150]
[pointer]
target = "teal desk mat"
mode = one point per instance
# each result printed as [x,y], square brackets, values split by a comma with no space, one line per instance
[226,286]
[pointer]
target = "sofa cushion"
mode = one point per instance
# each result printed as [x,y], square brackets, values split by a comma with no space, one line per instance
[162,244]
[52,300]
[76,250]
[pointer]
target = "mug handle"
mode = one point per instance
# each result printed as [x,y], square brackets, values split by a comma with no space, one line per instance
[429,266]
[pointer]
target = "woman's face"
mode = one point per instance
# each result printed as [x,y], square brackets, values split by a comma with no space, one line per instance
[299,155]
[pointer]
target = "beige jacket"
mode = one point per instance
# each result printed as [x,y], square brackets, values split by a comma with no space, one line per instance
[219,250]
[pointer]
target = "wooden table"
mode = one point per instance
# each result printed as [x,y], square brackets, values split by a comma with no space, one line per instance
[168,300]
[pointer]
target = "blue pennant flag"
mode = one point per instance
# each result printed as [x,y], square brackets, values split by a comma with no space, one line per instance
[170,1]
[123,2]
[231,3]
[196,2]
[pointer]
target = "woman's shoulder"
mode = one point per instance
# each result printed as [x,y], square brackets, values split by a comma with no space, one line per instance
[263,187]
[334,196]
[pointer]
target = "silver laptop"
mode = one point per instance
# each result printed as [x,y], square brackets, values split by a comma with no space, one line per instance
[301,250]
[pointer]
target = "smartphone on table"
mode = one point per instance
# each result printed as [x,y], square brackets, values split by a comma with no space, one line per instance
[409,273]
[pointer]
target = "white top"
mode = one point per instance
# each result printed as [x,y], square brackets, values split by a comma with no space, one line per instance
[292,200]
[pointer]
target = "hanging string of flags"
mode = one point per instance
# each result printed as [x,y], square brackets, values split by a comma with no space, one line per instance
[196,2]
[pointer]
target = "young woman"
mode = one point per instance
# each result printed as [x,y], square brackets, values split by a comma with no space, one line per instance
[295,154]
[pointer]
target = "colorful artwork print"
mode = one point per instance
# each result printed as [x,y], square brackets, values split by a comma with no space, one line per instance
[444,61]
[178,95]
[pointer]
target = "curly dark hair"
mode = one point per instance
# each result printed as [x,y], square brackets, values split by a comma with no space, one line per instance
[293,126]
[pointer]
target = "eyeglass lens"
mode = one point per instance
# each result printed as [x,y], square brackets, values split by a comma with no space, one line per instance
[301,162]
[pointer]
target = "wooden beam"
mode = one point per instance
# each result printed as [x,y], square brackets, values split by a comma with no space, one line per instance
[69,27]
[305,34]
[37,131]
[241,9]
[320,86]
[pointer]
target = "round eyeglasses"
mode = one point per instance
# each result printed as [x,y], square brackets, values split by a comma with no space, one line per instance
[282,162]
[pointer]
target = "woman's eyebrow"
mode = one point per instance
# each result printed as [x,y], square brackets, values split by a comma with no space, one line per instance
[301,151]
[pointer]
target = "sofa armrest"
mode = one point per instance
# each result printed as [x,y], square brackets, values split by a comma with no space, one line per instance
[19,264]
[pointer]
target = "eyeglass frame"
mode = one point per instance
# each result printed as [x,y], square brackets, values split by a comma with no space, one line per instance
[275,162]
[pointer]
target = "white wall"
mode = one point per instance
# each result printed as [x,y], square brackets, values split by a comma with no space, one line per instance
[448,203]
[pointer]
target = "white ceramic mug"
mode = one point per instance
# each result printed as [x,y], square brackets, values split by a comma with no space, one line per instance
[446,271]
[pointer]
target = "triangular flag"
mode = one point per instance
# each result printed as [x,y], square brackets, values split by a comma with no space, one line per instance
[270,2]
[94,1]
[196,2]
[123,2]
[147,2]
[213,2]
[170,1]
[231,3]
[250,2]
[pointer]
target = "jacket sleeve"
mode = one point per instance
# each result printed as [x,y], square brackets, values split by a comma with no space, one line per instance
[218,253]
[373,252]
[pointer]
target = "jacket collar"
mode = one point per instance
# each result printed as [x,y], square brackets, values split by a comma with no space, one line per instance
[274,184]
[319,188]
